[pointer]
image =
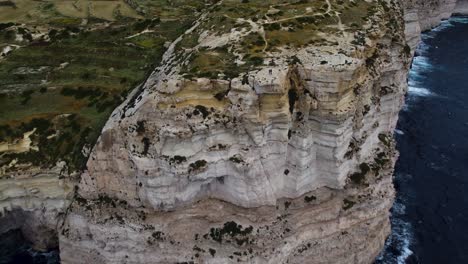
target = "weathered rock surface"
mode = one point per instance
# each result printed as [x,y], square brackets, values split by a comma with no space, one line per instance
[279,131]
[33,201]
[423,15]
[290,163]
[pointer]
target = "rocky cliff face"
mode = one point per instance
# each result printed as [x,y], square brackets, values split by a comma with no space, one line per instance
[284,156]
[32,201]
[288,162]
[424,15]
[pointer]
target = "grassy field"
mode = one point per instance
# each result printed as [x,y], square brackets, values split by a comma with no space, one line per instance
[70,63]
[38,12]
[76,62]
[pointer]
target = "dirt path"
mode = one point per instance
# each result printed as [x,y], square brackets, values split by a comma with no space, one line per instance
[329,7]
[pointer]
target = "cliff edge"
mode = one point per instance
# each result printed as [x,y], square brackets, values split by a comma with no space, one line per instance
[268,140]
[265,140]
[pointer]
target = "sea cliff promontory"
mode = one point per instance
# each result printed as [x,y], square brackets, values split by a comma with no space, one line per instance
[265,135]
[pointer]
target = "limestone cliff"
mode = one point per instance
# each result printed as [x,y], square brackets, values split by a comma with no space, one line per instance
[33,201]
[288,162]
[423,15]
[259,141]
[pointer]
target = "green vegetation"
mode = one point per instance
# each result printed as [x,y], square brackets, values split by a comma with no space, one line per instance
[269,26]
[386,139]
[157,236]
[81,58]
[360,177]
[236,159]
[231,230]
[177,159]
[73,67]
[197,165]
[68,12]
[309,199]
[348,204]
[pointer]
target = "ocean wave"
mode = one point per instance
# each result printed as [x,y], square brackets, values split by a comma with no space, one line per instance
[397,247]
[443,26]
[461,20]
[399,208]
[405,251]
[422,63]
[399,132]
[420,92]
[446,24]
[416,81]
[405,108]
[421,66]
[422,49]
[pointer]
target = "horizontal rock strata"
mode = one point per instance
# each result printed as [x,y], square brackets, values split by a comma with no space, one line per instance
[287,163]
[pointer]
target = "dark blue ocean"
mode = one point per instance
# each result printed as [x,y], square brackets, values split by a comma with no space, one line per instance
[430,216]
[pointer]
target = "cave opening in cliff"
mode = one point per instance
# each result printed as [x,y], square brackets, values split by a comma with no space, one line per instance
[292,95]
[294,88]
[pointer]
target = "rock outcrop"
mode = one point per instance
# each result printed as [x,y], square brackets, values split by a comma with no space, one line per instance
[33,201]
[289,161]
[423,15]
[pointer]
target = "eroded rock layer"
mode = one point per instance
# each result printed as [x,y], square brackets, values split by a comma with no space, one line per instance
[288,162]
[33,201]
[302,120]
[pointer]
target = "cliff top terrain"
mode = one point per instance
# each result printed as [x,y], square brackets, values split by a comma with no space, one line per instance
[65,65]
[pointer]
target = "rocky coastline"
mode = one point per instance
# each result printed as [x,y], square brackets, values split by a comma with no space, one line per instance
[289,163]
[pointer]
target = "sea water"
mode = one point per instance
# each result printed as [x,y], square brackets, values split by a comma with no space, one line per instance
[430,215]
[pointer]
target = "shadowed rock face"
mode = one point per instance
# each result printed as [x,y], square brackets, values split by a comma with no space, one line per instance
[32,204]
[291,162]
[22,231]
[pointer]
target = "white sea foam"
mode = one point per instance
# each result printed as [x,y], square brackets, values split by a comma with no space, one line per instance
[421,66]
[418,91]
[446,24]
[421,63]
[403,237]
[414,80]
[402,234]
[399,132]
[462,20]
[405,108]
[443,26]
[406,252]
[423,48]
[400,239]
[399,208]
